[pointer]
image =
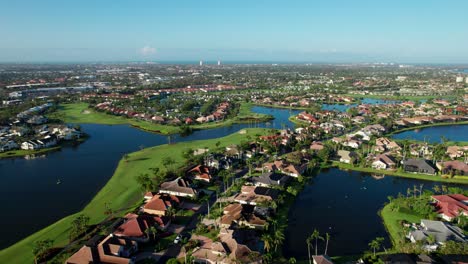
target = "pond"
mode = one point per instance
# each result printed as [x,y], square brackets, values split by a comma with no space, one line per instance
[434,134]
[344,204]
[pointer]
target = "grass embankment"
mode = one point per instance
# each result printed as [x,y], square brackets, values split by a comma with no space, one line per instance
[437,178]
[245,115]
[283,106]
[121,192]
[22,152]
[79,113]
[392,218]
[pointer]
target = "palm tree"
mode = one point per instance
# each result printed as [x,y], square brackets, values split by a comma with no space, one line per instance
[171,212]
[40,248]
[309,243]
[151,231]
[327,236]
[376,243]
[316,235]
[267,242]
[278,238]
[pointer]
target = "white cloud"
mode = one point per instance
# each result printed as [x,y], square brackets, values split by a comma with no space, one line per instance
[147,50]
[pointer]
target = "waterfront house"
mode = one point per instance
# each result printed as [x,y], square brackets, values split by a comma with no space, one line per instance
[418,166]
[178,187]
[8,145]
[441,231]
[450,206]
[111,250]
[453,167]
[383,162]
[31,145]
[321,259]
[270,179]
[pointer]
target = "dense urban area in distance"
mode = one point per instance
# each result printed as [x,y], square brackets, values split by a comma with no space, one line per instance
[213,162]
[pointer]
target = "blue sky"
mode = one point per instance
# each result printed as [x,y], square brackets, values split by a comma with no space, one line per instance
[313,31]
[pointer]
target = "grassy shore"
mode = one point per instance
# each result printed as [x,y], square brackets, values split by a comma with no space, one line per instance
[22,152]
[121,192]
[79,113]
[391,219]
[437,178]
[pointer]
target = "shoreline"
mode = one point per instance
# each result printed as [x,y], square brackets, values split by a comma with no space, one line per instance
[121,191]
[100,118]
[17,153]
[424,177]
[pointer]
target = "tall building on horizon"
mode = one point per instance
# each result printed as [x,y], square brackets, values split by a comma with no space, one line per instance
[219,62]
[201,63]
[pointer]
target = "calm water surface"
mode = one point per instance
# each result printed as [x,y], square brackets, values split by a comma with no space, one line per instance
[344,204]
[434,134]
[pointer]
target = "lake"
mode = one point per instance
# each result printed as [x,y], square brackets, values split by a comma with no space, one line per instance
[33,199]
[434,134]
[345,107]
[344,204]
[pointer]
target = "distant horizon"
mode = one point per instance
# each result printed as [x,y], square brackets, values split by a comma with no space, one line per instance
[334,31]
[237,62]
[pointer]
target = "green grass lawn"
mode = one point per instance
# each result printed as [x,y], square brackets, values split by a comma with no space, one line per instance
[391,219]
[121,192]
[79,113]
[456,179]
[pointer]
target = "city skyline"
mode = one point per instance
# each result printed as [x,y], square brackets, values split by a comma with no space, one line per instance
[301,31]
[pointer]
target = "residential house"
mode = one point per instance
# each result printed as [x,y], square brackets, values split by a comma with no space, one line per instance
[256,195]
[134,226]
[241,215]
[322,259]
[418,166]
[8,145]
[285,168]
[209,251]
[111,250]
[270,179]
[160,203]
[453,167]
[441,231]
[456,152]
[200,172]
[316,146]
[450,206]
[347,156]
[243,245]
[383,162]
[31,145]
[178,187]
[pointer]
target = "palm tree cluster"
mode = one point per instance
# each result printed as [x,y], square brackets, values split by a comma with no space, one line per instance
[316,236]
